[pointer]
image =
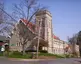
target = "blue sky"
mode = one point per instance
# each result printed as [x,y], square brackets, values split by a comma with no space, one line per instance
[66,15]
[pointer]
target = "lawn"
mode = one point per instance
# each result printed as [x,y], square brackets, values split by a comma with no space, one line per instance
[29,56]
[51,55]
[1,54]
[19,55]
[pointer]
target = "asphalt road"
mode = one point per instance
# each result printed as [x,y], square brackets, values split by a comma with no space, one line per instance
[55,61]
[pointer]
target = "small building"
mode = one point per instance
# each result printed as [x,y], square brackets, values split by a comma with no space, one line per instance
[4,42]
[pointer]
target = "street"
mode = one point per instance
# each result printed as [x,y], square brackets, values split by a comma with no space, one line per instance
[55,61]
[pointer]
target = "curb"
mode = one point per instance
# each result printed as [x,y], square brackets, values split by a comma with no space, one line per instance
[18,59]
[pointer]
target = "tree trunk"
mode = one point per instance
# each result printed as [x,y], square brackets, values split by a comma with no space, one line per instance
[73,49]
[23,49]
[80,50]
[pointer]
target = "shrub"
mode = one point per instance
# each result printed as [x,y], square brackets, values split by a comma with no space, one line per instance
[43,51]
[16,53]
[30,51]
[67,55]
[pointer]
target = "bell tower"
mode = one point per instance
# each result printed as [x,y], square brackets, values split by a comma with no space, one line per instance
[45,18]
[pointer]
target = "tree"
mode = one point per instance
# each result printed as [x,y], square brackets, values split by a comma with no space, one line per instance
[6,21]
[26,10]
[25,35]
[79,41]
[1,12]
[73,42]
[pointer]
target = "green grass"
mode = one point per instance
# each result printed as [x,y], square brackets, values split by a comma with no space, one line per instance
[1,54]
[27,56]
[19,55]
[55,55]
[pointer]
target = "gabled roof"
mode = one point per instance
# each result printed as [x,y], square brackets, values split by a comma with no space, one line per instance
[30,24]
[32,27]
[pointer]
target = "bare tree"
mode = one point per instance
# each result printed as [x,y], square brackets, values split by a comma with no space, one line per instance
[25,35]
[1,12]
[26,10]
[6,20]
[79,42]
[73,42]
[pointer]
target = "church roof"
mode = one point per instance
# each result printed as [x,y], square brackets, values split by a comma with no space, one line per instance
[30,24]
[32,27]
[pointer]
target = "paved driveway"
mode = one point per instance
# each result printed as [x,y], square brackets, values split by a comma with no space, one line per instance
[56,61]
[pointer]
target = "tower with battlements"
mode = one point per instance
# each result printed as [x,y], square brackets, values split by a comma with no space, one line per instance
[44,17]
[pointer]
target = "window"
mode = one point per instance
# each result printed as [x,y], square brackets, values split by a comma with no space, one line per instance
[43,22]
[19,44]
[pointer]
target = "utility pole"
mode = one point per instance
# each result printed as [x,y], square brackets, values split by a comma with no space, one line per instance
[39,31]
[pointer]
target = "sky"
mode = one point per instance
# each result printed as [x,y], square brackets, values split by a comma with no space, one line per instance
[66,15]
